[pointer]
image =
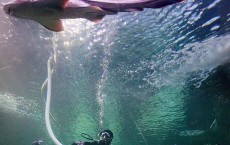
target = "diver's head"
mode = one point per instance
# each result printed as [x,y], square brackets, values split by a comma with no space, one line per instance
[106,137]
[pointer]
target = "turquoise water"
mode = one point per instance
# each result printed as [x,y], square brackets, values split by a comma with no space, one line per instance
[157,77]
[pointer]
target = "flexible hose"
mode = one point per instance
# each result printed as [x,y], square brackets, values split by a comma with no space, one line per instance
[47,109]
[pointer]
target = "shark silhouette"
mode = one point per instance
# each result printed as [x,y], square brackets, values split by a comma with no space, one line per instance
[50,12]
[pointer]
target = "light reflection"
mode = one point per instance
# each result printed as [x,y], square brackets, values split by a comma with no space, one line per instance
[67,44]
[215,28]
[213,4]
[210,21]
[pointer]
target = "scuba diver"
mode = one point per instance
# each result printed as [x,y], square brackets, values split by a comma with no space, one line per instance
[106,137]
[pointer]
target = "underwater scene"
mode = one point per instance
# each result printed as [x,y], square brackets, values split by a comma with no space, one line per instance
[153,77]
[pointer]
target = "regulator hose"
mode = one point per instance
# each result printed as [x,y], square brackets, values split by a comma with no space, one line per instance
[47,109]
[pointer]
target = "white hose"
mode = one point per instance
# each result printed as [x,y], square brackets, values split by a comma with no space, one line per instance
[47,110]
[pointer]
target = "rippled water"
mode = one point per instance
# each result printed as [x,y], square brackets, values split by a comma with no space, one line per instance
[157,77]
